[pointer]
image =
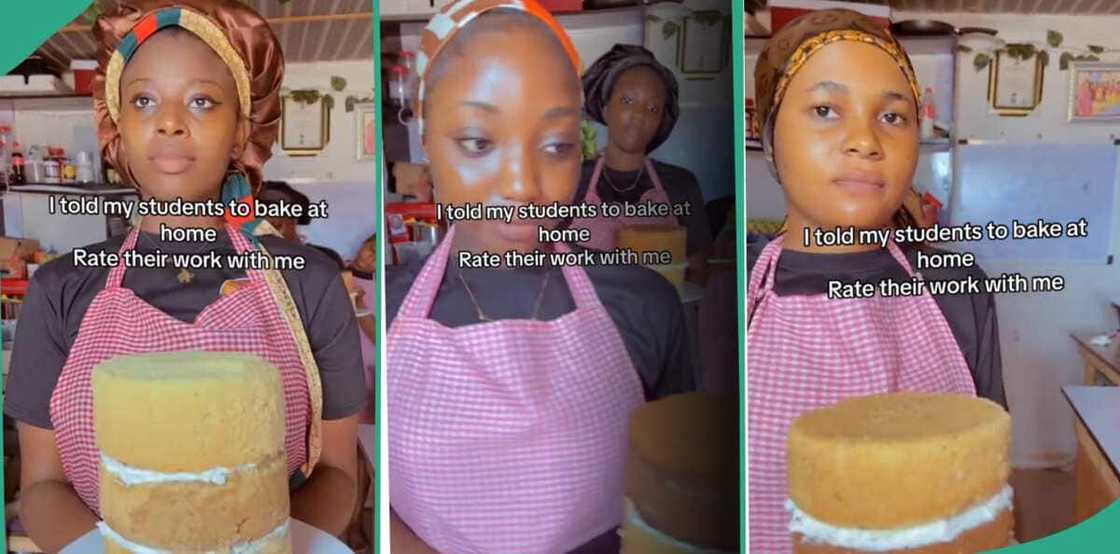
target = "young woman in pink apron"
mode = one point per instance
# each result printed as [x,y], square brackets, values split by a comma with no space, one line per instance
[636,98]
[839,100]
[507,420]
[187,107]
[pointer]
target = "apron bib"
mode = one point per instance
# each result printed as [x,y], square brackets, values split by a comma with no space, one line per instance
[256,319]
[604,230]
[807,351]
[508,436]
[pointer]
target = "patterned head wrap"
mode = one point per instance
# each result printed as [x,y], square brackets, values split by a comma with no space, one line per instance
[599,80]
[238,35]
[788,50]
[455,16]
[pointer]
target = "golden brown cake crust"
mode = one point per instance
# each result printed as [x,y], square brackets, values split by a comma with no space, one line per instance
[995,534]
[682,472]
[655,238]
[199,516]
[235,402]
[898,460]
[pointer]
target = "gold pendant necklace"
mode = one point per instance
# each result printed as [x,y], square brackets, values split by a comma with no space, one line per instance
[478,309]
[185,276]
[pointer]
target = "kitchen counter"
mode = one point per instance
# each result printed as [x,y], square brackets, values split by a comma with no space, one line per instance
[1102,363]
[1098,448]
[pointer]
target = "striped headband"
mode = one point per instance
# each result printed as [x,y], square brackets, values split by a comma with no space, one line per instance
[456,15]
[196,23]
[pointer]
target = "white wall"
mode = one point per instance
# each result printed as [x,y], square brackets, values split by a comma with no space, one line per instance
[1039,357]
[1038,354]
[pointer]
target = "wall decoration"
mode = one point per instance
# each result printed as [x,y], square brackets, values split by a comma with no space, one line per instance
[304,123]
[1015,80]
[1094,91]
[704,43]
[366,139]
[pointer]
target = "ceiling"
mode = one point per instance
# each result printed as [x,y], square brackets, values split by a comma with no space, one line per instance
[1067,7]
[309,31]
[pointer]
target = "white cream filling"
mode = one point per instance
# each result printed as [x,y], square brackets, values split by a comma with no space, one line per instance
[945,530]
[634,519]
[251,547]
[136,476]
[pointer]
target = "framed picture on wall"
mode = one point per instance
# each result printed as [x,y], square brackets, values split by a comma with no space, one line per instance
[366,131]
[1094,91]
[704,43]
[305,123]
[1014,84]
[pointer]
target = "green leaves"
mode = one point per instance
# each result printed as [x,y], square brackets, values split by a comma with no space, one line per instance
[1044,56]
[669,29]
[338,83]
[963,49]
[1054,38]
[1096,49]
[1067,58]
[1021,51]
[588,146]
[351,101]
[981,61]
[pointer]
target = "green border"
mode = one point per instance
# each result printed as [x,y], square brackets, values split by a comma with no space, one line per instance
[739,111]
[25,26]
[380,515]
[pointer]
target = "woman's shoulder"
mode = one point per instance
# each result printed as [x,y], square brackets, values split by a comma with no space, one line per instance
[316,263]
[629,286]
[81,267]
[670,173]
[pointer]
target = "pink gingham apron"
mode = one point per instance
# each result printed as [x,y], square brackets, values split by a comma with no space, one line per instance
[807,351]
[119,323]
[508,436]
[604,230]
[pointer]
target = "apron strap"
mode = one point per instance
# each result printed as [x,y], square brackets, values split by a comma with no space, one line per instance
[116,273]
[282,298]
[579,284]
[592,195]
[418,302]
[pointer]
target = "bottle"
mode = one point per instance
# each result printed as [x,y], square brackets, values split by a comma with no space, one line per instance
[84,168]
[5,156]
[17,169]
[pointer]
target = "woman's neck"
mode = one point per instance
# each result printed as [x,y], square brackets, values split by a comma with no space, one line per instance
[619,160]
[153,224]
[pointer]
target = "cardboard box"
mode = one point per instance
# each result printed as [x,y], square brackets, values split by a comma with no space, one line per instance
[13,246]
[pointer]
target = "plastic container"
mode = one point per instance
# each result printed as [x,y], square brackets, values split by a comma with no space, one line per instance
[85,168]
[84,70]
[52,172]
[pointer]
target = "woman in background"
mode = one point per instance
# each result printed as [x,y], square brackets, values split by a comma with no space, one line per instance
[637,99]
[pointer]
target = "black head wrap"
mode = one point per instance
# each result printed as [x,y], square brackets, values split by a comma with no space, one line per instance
[278,191]
[599,80]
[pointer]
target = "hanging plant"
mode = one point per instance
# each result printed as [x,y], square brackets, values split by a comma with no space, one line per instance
[588,145]
[351,101]
[1024,52]
[338,83]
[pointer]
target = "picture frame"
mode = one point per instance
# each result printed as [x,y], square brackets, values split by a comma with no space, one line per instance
[304,126]
[1015,85]
[1094,92]
[700,51]
[365,134]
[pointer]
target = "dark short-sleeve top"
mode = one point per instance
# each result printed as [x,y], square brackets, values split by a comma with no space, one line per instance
[680,185]
[60,294]
[972,318]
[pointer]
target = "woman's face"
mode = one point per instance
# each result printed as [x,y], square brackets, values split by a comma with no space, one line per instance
[502,128]
[366,259]
[846,138]
[179,120]
[634,112]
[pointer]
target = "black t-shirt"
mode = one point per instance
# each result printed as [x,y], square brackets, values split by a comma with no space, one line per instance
[60,293]
[680,186]
[644,306]
[972,318]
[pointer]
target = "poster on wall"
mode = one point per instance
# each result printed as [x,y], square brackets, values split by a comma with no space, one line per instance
[1015,84]
[366,138]
[304,124]
[1094,91]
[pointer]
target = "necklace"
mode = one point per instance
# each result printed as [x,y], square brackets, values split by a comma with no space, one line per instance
[478,309]
[607,175]
[185,276]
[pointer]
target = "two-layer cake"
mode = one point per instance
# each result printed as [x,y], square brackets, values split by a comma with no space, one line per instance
[192,454]
[913,473]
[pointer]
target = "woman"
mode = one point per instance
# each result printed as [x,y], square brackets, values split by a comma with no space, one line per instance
[840,106]
[510,388]
[280,193]
[187,107]
[636,98]
[362,269]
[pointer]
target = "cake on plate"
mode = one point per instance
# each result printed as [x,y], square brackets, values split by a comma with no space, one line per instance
[192,453]
[682,488]
[645,240]
[913,473]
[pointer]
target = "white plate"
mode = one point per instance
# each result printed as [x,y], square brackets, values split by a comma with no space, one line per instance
[305,540]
